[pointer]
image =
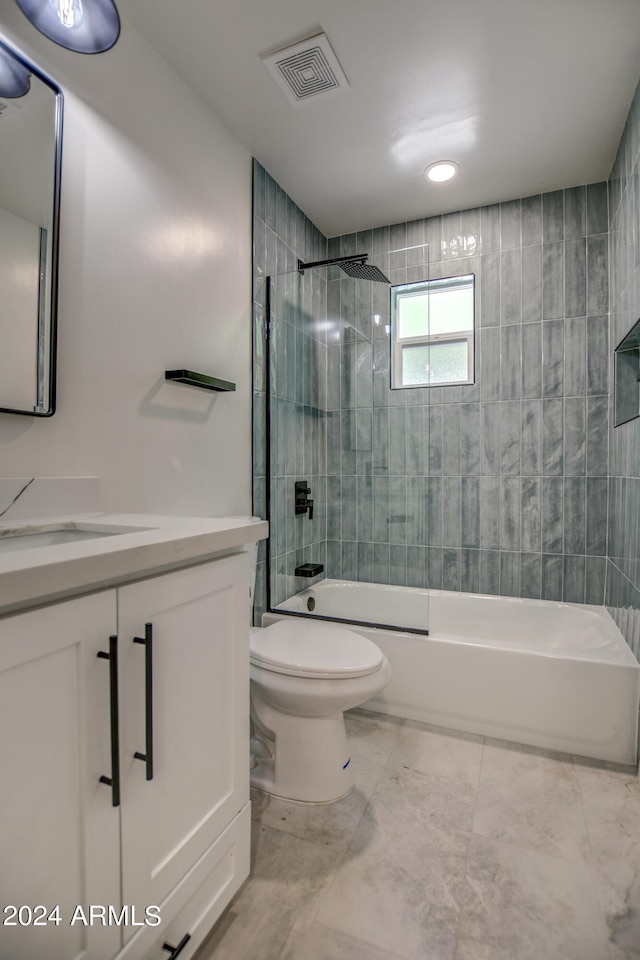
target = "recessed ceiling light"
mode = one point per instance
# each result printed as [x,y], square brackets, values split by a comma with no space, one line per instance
[441,170]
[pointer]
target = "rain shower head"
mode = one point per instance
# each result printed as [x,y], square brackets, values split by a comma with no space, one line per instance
[353,266]
[363,271]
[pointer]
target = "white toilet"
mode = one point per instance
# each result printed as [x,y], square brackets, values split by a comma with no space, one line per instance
[304,674]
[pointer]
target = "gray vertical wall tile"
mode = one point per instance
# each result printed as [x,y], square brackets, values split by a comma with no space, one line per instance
[433,493]
[451,439]
[365,562]
[531,523]
[470,571]
[531,212]
[416,569]
[398,565]
[574,515]
[552,280]
[450,569]
[417,451]
[597,274]
[470,512]
[381,563]
[574,579]
[531,432]
[575,357]
[595,580]
[553,358]
[510,361]
[490,572]
[575,278]
[397,440]
[510,513]
[490,227]
[510,218]
[597,435]
[510,286]
[416,511]
[531,360]
[451,513]
[597,331]
[435,416]
[398,509]
[490,290]
[470,439]
[349,560]
[553,216]
[509,574]
[596,519]
[552,578]
[532,283]
[597,208]
[510,439]
[575,212]
[490,438]
[530,575]
[575,432]
[489,340]
[552,514]
[364,509]
[490,503]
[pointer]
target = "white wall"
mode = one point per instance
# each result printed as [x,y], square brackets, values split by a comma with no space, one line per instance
[155,273]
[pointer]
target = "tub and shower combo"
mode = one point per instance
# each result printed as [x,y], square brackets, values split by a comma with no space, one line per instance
[553,675]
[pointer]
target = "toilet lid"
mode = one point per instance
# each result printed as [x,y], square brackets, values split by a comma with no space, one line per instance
[304,648]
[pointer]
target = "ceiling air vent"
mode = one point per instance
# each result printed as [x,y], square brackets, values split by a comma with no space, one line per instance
[307,70]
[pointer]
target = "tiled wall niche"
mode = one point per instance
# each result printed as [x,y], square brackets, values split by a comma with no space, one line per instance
[623,572]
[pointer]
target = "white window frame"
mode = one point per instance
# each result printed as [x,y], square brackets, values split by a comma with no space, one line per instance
[399,343]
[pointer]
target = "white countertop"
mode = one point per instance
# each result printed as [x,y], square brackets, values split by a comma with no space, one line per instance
[36,575]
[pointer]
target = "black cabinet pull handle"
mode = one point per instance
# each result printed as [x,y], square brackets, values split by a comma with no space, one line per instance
[147,756]
[114,780]
[176,950]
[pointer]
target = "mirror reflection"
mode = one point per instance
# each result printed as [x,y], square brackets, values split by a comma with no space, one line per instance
[30,150]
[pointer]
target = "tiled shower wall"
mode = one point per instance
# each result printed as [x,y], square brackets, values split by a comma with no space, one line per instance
[623,575]
[281,234]
[507,478]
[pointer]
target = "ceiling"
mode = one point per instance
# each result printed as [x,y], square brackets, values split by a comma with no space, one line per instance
[526,95]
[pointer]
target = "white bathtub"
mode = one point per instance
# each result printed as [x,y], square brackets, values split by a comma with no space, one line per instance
[553,675]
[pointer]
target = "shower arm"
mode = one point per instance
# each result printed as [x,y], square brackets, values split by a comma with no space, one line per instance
[357,257]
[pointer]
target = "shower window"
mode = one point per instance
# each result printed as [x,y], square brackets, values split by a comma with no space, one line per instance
[432,325]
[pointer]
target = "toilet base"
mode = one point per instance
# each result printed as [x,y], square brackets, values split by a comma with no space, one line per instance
[299,758]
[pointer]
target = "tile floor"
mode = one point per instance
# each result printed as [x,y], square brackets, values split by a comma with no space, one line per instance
[449,847]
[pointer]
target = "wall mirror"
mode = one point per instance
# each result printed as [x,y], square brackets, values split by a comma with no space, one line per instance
[30,155]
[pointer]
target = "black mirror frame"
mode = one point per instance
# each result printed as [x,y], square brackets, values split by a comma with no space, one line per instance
[47,365]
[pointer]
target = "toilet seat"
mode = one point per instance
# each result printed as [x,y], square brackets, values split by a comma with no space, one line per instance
[301,648]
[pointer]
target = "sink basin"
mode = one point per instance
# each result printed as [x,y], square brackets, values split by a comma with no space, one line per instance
[52,534]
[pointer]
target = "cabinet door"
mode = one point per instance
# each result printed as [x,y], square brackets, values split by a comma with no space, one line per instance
[200,629]
[59,833]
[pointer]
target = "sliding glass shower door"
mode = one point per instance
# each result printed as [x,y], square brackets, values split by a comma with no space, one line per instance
[347,457]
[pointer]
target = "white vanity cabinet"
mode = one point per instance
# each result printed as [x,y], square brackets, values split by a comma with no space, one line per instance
[59,833]
[179,839]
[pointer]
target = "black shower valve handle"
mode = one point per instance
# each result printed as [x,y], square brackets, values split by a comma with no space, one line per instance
[310,506]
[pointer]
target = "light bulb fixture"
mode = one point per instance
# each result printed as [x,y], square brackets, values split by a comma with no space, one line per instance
[84,26]
[15,79]
[441,170]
